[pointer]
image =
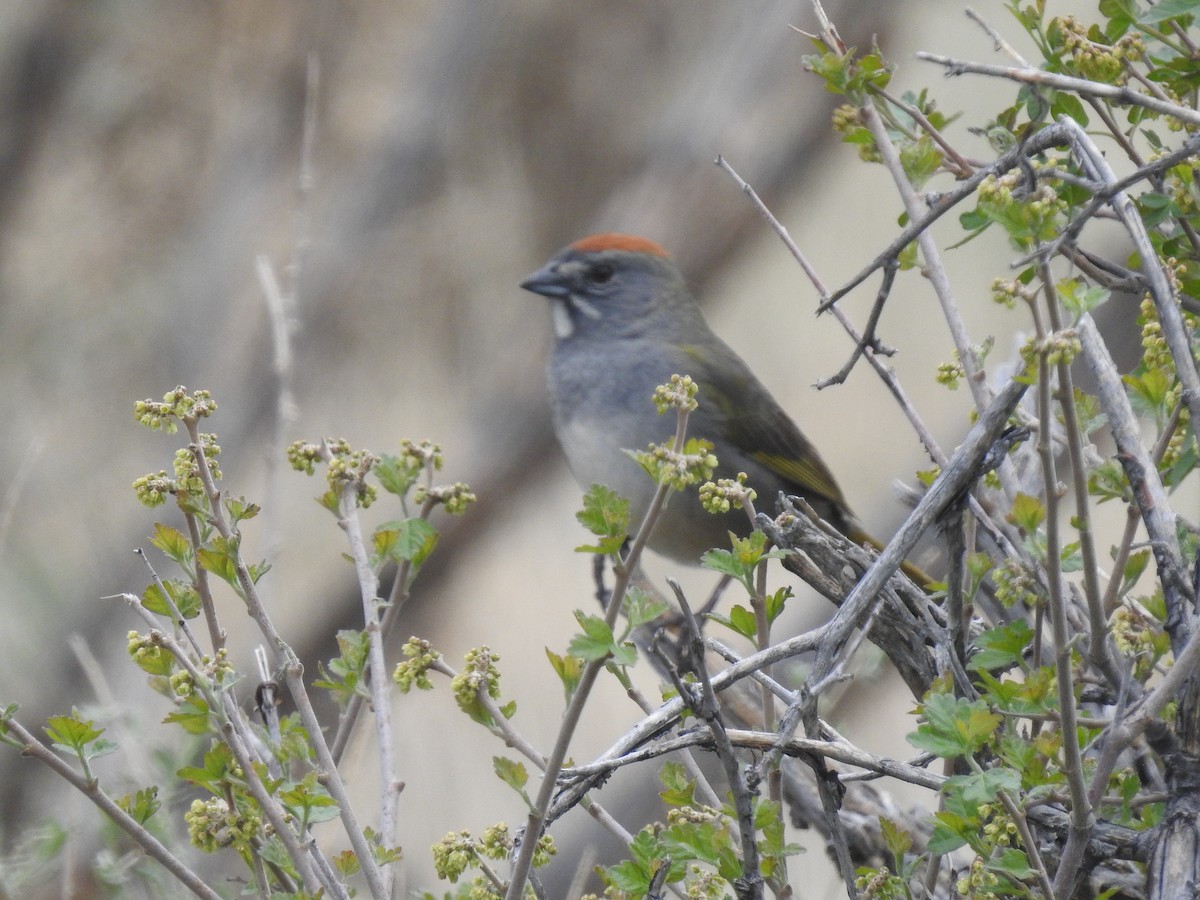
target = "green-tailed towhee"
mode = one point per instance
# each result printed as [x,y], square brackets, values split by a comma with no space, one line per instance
[624,322]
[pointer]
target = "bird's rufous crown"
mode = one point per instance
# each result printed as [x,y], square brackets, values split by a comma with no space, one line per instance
[611,240]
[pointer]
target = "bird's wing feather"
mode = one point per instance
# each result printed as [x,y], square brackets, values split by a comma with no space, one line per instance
[758,426]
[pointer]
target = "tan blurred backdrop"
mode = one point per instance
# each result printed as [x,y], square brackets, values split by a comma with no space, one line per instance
[149,152]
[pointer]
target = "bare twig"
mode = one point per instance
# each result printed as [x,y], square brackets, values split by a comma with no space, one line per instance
[539,815]
[1122,96]
[91,789]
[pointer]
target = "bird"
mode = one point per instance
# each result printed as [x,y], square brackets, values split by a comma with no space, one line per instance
[624,323]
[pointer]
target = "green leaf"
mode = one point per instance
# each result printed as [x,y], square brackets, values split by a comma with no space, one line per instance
[954,726]
[71,733]
[679,789]
[220,563]
[1012,862]
[217,768]
[896,839]
[405,540]
[1001,646]
[605,513]
[396,475]
[1065,104]
[641,607]
[569,670]
[511,773]
[1079,298]
[983,787]
[141,805]
[241,509]
[193,716]
[597,642]
[1168,9]
[775,603]
[187,601]
[950,832]
[1027,513]
[173,543]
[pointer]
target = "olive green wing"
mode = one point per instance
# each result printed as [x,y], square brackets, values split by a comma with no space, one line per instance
[760,429]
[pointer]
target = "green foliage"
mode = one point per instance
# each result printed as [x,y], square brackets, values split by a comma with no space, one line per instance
[605,514]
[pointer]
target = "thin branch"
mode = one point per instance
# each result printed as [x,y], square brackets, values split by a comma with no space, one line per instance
[762,741]
[91,789]
[1122,96]
[368,585]
[539,814]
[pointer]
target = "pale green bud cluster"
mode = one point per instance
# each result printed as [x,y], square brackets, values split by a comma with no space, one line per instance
[950,374]
[175,404]
[1007,291]
[679,393]
[212,825]
[725,493]
[480,673]
[1015,585]
[147,651]
[454,497]
[417,455]
[414,668]
[1137,638]
[458,851]
[1092,60]
[152,490]
[678,470]
[187,474]
[303,456]
[1058,347]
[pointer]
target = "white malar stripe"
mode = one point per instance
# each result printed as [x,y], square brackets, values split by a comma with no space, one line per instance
[563,326]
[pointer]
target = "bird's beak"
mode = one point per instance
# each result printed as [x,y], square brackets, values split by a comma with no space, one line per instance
[548,282]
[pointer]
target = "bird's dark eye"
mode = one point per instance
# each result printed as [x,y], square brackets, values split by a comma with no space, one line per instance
[600,273]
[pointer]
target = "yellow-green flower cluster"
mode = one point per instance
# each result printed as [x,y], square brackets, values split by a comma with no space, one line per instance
[1178,439]
[454,854]
[480,673]
[1029,213]
[417,455]
[212,825]
[1155,354]
[303,456]
[1006,291]
[187,474]
[978,883]
[679,393]
[949,374]
[147,651]
[182,684]
[694,815]
[1015,584]
[1058,347]
[678,470]
[413,669]
[152,490]
[454,497]
[176,404]
[725,493]
[1138,638]
[458,851]
[1092,60]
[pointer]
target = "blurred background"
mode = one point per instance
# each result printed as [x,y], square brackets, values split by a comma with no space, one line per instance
[149,153]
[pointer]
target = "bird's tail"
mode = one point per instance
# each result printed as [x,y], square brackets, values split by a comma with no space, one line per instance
[915,573]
